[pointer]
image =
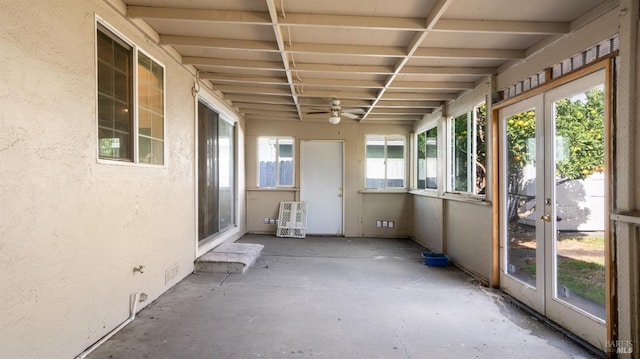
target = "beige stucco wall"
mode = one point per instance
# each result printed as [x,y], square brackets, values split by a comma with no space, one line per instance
[71,229]
[469,245]
[357,221]
[428,222]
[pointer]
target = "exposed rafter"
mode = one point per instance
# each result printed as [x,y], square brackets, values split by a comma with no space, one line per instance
[221,16]
[463,71]
[435,14]
[232,63]
[218,43]
[508,27]
[273,15]
[392,62]
[486,54]
[219,78]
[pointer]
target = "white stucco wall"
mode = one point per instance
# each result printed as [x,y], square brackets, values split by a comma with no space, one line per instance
[71,229]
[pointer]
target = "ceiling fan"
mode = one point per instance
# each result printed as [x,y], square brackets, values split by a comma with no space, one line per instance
[335,111]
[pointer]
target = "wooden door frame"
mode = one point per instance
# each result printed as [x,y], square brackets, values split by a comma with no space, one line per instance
[606,64]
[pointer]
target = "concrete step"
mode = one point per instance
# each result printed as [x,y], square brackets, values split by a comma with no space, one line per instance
[234,258]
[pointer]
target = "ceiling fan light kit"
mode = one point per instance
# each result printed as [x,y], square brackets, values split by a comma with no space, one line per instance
[336,112]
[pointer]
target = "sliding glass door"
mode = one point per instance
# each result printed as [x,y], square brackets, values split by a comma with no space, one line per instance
[216,181]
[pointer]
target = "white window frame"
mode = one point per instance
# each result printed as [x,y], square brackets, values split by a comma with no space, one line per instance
[471,143]
[277,139]
[404,158]
[439,137]
[135,50]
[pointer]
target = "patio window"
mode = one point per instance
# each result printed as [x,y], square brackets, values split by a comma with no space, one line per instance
[427,159]
[275,162]
[385,164]
[125,134]
[468,149]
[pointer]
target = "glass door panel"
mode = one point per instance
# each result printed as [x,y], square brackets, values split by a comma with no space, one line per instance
[521,196]
[579,191]
[553,205]
[522,248]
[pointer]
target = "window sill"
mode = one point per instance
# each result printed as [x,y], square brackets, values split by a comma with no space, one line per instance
[465,197]
[426,193]
[386,191]
[274,189]
[449,196]
[126,163]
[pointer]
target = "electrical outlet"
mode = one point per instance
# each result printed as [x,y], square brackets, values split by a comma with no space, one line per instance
[392,224]
[378,224]
[385,224]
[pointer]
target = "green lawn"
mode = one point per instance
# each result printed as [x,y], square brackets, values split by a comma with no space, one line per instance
[584,277]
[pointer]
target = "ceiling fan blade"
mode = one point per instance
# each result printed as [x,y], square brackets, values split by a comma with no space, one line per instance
[350,115]
[316,112]
[358,111]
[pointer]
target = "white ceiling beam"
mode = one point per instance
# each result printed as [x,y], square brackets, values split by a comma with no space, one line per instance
[432,85]
[408,104]
[268,117]
[312,102]
[508,27]
[264,107]
[358,69]
[251,111]
[232,63]
[262,90]
[450,53]
[432,18]
[210,42]
[462,71]
[395,119]
[399,111]
[261,99]
[351,94]
[221,16]
[411,96]
[292,19]
[354,50]
[350,21]
[217,78]
[335,83]
[277,30]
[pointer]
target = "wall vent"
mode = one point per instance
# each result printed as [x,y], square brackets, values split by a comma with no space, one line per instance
[171,273]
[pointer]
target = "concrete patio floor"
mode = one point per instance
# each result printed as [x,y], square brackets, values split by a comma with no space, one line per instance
[328,297]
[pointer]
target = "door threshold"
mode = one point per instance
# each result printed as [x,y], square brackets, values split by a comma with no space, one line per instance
[553,325]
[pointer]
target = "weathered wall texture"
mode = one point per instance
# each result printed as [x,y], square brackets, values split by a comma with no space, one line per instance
[71,229]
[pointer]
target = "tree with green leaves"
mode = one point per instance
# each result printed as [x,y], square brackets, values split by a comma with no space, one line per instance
[579,146]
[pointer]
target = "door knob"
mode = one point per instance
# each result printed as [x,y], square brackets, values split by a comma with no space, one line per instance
[546,218]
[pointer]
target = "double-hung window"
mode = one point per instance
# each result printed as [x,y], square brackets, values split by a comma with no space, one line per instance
[130,102]
[468,149]
[385,161]
[427,159]
[275,162]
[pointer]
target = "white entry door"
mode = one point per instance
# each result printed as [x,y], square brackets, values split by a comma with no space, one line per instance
[321,181]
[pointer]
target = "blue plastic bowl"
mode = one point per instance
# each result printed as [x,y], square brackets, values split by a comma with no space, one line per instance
[435,259]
